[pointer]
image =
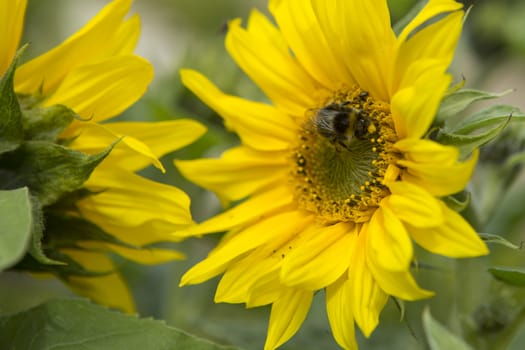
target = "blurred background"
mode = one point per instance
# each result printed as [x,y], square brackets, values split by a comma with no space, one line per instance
[190,34]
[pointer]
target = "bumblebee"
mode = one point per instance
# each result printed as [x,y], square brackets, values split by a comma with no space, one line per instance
[340,123]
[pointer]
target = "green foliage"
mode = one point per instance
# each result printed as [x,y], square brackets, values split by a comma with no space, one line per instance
[48,169]
[15,226]
[46,124]
[66,231]
[457,101]
[477,129]
[33,164]
[514,276]
[458,202]
[492,238]
[440,338]
[76,324]
[36,249]
[11,132]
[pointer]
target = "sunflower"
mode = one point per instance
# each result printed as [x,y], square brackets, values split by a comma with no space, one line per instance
[96,74]
[336,174]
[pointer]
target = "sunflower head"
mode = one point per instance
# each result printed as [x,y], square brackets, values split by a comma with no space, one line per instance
[343,154]
[337,173]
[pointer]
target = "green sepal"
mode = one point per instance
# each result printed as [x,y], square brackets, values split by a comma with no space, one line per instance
[46,124]
[487,118]
[514,276]
[479,128]
[11,130]
[48,169]
[401,306]
[36,248]
[15,228]
[65,231]
[456,102]
[72,324]
[440,338]
[458,202]
[492,238]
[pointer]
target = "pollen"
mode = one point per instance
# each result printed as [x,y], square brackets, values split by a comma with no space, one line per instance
[339,173]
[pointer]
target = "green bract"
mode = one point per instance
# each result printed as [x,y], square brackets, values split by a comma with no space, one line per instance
[38,174]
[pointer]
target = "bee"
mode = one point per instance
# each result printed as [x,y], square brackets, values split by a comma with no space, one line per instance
[340,123]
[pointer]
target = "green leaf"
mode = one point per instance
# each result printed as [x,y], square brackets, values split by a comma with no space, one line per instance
[46,124]
[492,238]
[48,169]
[440,338]
[15,225]
[11,132]
[78,324]
[514,276]
[457,102]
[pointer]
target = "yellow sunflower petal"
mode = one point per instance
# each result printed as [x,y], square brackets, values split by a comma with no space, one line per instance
[388,241]
[301,29]
[108,289]
[263,54]
[265,290]
[414,107]
[141,144]
[361,35]
[104,89]
[95,41]
[427,151]
[434,167]
[259,267]
[163,136]
[414,205]
[256,208]
[321,258]
[259,126]
[241,242]
[146,256]
[340,313]
[367,299]
[238,173]
[432,9]
[129,152]
[435,42]
[127,36]
[110,207]
[455,238]
[236,284]
[398,283]
[287,315]
[11,25]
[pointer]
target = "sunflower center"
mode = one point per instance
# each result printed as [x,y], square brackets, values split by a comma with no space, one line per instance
[344,150]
